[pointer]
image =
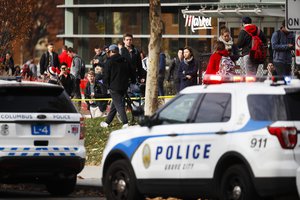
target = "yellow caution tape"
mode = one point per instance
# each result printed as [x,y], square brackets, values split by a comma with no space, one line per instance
[132,98]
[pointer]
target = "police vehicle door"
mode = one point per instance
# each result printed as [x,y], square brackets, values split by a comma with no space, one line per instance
[205,138]
[160,156]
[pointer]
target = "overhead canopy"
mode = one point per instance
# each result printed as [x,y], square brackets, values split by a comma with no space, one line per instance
[237,10]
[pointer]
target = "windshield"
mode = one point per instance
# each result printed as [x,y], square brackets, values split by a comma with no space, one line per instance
[35,99]
[178,111]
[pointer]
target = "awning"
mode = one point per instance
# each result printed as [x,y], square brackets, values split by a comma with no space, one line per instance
[237,10]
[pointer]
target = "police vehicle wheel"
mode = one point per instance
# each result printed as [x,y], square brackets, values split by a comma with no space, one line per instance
[120,182]
[61,187]
[236,184]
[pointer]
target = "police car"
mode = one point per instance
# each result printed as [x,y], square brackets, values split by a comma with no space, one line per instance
[226,141]
[41,136]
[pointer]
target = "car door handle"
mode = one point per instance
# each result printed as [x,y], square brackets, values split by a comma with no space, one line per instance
[221,132]
[173,134]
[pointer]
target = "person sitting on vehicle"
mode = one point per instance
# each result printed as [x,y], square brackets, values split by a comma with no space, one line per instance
[220,62]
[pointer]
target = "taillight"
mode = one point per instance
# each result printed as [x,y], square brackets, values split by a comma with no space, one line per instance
[287,136]
[82,128]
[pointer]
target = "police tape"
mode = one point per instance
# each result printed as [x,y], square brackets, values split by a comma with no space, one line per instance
[132,98]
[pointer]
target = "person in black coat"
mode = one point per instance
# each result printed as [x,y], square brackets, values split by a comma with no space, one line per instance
[66,79]
[49,59]
[134,57]
[117,76]
[173,73]
[188,69]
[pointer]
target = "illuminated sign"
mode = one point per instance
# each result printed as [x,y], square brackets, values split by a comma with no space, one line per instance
[197,22]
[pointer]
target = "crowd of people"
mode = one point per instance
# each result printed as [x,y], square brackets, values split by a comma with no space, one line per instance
[251,51]
[117,65]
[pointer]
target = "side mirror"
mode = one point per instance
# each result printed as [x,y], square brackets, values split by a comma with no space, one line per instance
[149,121]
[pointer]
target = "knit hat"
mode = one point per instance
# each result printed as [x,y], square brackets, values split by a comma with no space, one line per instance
[113,47]
[246,20]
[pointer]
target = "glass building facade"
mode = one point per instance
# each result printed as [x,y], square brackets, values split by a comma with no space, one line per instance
[93,22]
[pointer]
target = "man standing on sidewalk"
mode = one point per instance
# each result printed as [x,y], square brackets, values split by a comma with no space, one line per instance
[49,59]
[116,76]
[75,71]
[131,53]
[283,42]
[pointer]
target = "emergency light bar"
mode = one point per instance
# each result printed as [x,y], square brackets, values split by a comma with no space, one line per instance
[218,79]
[209,79]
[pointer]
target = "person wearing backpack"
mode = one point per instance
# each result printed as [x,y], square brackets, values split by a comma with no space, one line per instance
[253,43]
[220,61]
[283,42]
[76,67]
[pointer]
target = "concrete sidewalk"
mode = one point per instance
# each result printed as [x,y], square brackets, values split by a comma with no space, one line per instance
[89,176]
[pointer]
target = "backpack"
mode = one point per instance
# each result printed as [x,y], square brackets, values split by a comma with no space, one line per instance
[258,51]
[226,66]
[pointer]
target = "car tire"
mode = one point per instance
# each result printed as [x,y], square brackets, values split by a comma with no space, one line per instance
[236,184]
[120,182]
[61,187]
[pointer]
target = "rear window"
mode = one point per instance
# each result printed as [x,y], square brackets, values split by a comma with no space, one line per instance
[35,100]
[274,107]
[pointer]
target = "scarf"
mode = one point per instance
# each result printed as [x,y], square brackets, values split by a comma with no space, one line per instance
[228,45]
[186,61]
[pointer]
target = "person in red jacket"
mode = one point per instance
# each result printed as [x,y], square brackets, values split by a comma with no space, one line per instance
[64,57]
[213,66]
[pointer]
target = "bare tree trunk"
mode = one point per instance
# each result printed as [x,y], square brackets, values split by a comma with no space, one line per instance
[151,100]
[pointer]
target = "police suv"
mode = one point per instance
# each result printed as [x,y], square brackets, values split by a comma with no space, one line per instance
[226,141]
[41,136]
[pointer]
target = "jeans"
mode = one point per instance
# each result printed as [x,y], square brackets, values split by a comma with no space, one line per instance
[282,69]
[250,67]
[161,86]
[117,105]
[77,93]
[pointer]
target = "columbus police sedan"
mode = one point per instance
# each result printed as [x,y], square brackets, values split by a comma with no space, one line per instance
[227,141]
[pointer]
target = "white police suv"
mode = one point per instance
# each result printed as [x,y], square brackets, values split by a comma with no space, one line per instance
[227,141]
[41,136]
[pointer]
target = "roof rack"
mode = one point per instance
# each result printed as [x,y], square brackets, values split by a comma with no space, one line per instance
[11,78]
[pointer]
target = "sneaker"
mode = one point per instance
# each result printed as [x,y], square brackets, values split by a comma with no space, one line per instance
[125,126]
[104,124]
